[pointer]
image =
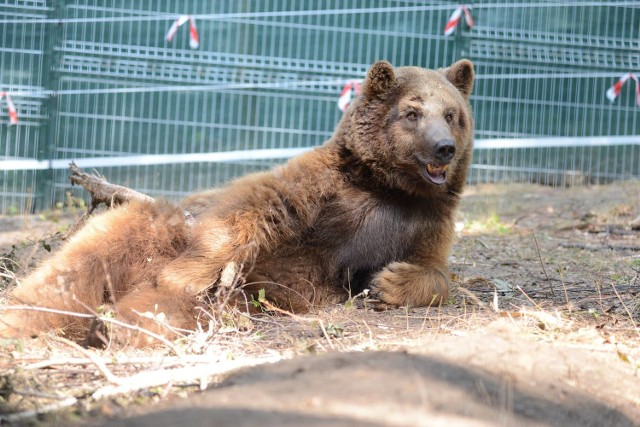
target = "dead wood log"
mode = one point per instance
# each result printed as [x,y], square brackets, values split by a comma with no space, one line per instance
[102,191]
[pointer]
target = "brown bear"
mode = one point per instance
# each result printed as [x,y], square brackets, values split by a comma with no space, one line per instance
[373,207]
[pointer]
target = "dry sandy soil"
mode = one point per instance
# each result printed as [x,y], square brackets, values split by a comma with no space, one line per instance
[542,329]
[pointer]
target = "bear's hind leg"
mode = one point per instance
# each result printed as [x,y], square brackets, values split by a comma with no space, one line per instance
[100,264]
[162,313]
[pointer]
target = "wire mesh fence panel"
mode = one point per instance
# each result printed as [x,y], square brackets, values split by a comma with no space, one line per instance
[98,82]
[22,71]
[544,69]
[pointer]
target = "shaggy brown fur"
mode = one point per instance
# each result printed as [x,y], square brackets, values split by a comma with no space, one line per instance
[371,208]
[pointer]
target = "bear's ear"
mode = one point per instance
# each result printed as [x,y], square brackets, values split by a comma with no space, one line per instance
[380,78]
[461,75]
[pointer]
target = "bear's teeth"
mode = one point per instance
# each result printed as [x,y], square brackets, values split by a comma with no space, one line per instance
[436,170]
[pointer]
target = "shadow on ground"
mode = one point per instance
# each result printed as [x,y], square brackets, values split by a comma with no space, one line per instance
[480,380]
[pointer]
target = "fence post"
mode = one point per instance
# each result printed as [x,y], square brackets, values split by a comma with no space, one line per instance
[48,130]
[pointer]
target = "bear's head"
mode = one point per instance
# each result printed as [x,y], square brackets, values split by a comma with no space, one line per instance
[413,127]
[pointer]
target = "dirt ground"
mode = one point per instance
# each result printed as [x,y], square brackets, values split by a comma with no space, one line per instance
[541,329]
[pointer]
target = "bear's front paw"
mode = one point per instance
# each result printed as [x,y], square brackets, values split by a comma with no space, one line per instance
[388,285]
[404,284]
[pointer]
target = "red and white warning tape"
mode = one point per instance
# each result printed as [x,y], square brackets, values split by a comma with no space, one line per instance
[614,91]
[347,94]
[194,39]
[454,20]
[13,113]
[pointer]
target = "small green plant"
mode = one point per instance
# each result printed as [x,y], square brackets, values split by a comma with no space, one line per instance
[350,303]
[304,346]
[491,224]
[71,205]
[105,311]
[335,330]
[494,222]
[258,303]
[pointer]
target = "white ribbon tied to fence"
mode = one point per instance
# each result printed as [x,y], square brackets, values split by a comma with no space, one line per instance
[454,20]
[13,113]
[194,39]
[614,91]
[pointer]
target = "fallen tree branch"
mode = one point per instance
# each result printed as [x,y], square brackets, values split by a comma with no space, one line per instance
[102,191]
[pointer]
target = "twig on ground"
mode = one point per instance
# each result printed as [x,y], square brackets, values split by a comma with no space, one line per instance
[272,307]
[19,416]
[97,317]
[258,319]
[46,310]
[39,394]
[131,327]
[566,292]
[163,360]
[542,264]
[633,322]
[527,297]
[158,320]
[595,248]
[181,375]
[473,297]
[144,331]
[543,317]
[482,243]
[94,359]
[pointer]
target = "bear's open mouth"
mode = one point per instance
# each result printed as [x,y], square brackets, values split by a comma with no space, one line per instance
[436,173]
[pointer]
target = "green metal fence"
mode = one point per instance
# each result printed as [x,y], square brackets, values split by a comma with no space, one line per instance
[97,82]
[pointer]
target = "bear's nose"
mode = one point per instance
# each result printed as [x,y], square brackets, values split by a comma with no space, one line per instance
[445,150]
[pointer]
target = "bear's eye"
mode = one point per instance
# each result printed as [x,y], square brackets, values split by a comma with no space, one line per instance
[448,117]
[412,115]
